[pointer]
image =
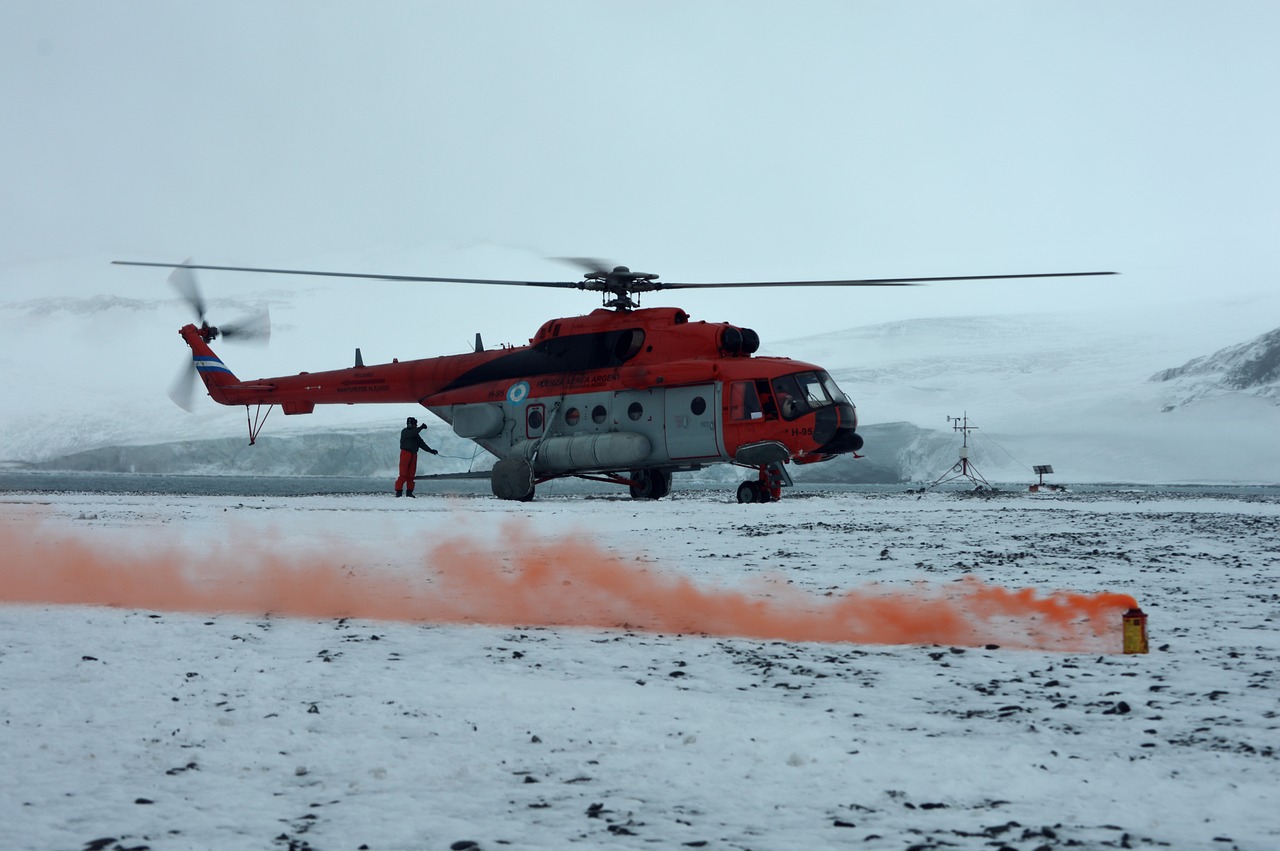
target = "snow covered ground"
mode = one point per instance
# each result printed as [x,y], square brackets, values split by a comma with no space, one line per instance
[835,670]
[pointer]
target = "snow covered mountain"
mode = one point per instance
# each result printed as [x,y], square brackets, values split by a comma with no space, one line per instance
[85,375]
[1074,390]
[1251,368]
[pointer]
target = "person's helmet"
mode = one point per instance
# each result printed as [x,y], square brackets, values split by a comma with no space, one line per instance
[411,421]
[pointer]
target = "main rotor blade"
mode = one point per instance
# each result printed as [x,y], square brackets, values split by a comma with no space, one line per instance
[363,275]
[634,286]
[591,264]
[869,282]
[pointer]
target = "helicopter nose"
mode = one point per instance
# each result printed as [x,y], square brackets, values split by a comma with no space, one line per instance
[835,430]
[844,441]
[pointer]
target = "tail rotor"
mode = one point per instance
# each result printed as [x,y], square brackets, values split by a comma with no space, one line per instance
[252,328]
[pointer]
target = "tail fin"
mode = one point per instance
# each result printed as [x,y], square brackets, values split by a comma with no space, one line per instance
[212,371]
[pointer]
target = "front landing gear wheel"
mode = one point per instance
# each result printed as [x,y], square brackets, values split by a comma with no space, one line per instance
[754,492]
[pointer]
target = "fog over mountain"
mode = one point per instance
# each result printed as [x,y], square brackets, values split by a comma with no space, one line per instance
[1179,393]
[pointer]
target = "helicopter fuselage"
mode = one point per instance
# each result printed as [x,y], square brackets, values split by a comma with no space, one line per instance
[632,395]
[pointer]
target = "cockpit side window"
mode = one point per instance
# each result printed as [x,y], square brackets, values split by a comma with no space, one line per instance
[803,392]
[815,395]
[836,394]
[766,399]
[744,401]
[790,399]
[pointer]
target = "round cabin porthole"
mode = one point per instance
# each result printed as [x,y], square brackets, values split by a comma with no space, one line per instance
[635,410]
[698,406]
[599,414]
[535,419]
[572,416]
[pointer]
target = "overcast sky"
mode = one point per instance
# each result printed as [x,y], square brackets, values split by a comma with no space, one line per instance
[705,141]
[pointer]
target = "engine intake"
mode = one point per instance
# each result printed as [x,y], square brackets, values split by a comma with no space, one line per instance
[738,341]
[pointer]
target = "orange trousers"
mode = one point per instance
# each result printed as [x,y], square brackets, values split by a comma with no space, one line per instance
[408,469]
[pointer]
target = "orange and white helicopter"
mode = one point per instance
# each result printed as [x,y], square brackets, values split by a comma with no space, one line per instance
[625,394]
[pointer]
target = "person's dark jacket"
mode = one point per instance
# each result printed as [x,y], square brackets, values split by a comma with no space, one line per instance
[411,440]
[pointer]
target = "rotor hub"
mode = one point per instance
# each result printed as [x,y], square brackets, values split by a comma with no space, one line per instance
[621,283]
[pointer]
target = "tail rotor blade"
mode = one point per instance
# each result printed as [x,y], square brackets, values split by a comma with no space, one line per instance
[254,328]
[183,389]
[184,281]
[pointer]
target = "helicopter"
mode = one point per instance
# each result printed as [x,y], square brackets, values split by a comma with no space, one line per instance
[624,395]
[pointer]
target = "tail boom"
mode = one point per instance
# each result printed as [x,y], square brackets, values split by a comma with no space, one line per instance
[396,382]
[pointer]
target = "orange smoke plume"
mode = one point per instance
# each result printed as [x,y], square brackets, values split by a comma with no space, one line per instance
[555,583]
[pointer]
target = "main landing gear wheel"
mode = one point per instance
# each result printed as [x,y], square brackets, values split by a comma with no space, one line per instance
[512,478]
[753,492]
[650,483]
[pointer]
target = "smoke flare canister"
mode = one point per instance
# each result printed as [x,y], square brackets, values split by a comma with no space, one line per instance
[1135,631]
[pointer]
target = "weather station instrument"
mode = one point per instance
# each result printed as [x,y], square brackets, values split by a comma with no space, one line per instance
[963,468]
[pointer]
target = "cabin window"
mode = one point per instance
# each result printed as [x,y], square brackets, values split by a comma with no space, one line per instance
[534,419]
[635,410]
[599,414]
[744,401]
[698,406]
[572,416]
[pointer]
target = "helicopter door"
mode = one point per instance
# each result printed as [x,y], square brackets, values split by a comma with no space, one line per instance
[691,420]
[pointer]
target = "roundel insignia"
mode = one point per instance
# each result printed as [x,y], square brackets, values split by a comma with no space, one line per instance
[518,392]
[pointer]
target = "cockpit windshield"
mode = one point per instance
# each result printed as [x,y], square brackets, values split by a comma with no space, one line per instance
[803,392]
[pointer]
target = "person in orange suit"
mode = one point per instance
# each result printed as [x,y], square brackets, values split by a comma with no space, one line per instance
[410,442]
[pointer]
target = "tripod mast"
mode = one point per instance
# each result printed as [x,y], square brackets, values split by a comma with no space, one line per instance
[963,469]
